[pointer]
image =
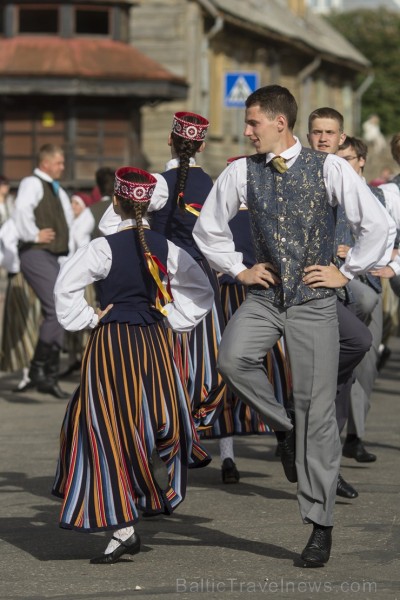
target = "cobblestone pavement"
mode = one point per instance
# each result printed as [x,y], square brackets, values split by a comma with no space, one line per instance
[234,541]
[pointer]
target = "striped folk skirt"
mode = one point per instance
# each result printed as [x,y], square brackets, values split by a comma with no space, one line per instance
[237,418]
[195,355]
[128,406]
[21,321]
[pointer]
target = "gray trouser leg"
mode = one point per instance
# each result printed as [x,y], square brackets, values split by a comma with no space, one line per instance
[40,269]
[252,331]
[365,299]
[311,333]
[312,338]
[365,374]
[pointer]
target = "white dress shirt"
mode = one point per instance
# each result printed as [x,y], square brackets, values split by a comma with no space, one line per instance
[373,228]
[192,293]
[9,257]
[30,193]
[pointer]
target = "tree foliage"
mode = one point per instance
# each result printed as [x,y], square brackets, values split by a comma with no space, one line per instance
[376,33]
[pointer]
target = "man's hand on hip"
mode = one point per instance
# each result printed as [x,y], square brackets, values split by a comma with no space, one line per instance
[324,276]
[259,274]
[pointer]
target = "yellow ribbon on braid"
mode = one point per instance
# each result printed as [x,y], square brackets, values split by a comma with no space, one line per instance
[189,208]
[192,208]
[162,289]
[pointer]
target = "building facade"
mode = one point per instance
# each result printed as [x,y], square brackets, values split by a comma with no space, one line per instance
[70,76]
[208,42]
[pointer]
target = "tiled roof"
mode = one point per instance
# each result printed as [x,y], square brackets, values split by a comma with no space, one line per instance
[34,56]
[311,31]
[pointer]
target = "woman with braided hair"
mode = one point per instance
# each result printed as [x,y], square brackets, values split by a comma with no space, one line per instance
[187,188]
[130,406]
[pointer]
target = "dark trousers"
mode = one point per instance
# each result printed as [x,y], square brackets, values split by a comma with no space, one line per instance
[40,269]
[355,340]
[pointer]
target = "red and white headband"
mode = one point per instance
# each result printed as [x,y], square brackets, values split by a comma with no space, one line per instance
[191,131]
[134,190]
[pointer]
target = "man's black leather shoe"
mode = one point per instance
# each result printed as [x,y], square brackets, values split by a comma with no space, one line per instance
[287,449]
[130,546]
[75,366]
[229,472]
[53,389]
[318,548]
[356,449]
[345,490]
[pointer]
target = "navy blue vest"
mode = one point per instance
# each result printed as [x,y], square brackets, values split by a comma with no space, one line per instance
[129,285]
[177,224]
[292,223]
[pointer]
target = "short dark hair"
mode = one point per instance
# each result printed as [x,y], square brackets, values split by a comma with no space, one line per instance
[105,180]
[358,145]
[275,100]
[395,147]
[326,112]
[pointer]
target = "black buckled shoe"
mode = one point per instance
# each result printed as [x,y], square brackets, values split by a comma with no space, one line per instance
[287,453]
[345,490]
[229,472]
[130,546]
[356,449]
[318,548]
[51,387]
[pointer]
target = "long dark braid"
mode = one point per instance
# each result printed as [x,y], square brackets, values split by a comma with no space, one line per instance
[185,150]
[140,210]
[136,210]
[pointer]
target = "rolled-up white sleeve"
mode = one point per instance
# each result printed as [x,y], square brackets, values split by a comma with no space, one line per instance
[89,264]
[392,204]
[373,227]
[192,293]
[30,192]
[211,231]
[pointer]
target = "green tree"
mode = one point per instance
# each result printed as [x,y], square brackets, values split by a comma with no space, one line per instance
[376,33]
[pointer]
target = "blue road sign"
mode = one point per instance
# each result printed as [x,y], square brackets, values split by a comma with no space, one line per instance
[238,86]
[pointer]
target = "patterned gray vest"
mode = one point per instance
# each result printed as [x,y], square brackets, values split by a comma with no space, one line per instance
[292,224]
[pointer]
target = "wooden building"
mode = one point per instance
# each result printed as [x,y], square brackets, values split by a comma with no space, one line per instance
[69,75]
[206,42]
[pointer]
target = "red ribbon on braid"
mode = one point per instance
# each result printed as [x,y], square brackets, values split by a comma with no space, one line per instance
[164,293]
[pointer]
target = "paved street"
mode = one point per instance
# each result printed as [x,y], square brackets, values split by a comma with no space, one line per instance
[223,541]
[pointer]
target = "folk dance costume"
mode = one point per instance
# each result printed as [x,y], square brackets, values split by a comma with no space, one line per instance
[174,215]
[292,219]
[42,204]
[196,352]
[130,402]
[237,417]
[21,315]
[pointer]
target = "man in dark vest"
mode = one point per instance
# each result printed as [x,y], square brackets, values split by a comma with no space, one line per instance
[291,193]
[42,216]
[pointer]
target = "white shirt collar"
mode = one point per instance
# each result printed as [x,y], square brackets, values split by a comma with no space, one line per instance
[289,154]
[130,223]
[42,175]
[173,163]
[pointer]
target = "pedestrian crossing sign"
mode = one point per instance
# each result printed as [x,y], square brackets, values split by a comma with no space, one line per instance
[238,86]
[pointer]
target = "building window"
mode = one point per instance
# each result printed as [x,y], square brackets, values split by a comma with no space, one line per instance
[94,22]
[38,20]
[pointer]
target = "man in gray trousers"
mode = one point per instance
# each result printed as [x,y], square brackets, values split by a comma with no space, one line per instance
[291,193]
[43,216]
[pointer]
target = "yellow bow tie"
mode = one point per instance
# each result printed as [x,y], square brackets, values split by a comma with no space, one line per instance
[279,164]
